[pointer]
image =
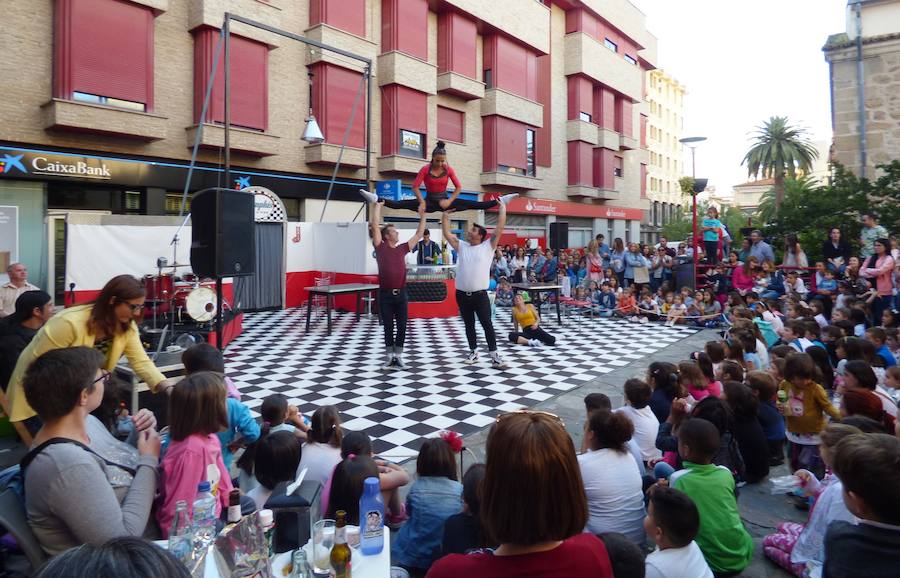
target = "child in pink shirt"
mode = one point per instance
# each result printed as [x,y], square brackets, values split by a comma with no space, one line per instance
[197,411]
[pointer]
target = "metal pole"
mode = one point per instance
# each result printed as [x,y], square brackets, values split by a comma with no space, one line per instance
[861,95]
[694,257]
[226,31]
[368,74]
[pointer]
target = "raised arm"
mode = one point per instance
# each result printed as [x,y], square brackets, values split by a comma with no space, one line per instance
[374,223]
[448,236]
[501,223]
[420,230]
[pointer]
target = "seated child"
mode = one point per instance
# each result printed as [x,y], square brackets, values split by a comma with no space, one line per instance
[648,308]
[242,428]
[667,301]
[637,410]
[282,416]
[604,301]
[798,548]
[765,387]
[878,337]
[599,401]
[504,296]
[197,411]
[695,382]
[433,498]
[627,305]
[269,461]
[672,523]
[347,484]
[725,543]
[463,531]
[677,312]
[865,463]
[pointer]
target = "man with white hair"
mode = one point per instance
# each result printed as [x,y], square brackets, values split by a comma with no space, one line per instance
[18,284]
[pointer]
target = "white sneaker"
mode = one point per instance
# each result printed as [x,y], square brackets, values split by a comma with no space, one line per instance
[471,358]
[534,343]
[497,362]
[505,199]
[368,195]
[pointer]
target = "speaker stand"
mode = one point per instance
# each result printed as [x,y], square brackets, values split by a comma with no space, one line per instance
[219,308]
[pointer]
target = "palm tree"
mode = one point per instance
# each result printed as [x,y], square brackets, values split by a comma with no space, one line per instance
[794,191]
[779,149]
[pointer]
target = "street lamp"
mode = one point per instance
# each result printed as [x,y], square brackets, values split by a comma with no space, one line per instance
[692,142]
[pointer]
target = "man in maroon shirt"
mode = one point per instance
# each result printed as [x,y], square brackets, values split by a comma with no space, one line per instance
[392,298]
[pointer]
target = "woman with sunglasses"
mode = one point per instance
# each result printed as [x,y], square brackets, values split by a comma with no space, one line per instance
[108,324]
[83,486]
[533,504]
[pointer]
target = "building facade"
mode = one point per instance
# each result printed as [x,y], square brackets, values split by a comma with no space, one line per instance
[665,102]
[103,102]
[870,49]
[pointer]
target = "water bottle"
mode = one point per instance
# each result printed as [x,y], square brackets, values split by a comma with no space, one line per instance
[180,535]
[267,523]
[204,517]
[371,518]
[299,565]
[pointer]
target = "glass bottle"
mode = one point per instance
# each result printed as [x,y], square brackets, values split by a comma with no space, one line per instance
[180,535]
[340,552]
[299,565]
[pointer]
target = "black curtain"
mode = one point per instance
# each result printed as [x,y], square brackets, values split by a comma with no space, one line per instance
[265,288]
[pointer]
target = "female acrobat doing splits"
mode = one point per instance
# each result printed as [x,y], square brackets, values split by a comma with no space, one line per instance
[435,176]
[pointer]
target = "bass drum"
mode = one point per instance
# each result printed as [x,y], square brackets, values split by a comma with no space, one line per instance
[199,303]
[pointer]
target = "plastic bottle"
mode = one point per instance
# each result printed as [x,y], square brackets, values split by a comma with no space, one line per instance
[267,522]
[180,535]
[371,518]
[204,516]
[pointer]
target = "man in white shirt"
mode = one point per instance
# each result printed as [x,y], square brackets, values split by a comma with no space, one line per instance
[18,284]
[473,275]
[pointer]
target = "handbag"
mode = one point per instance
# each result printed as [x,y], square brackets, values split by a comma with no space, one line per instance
[641,275]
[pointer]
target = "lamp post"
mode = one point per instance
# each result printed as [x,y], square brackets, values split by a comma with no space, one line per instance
[692,142]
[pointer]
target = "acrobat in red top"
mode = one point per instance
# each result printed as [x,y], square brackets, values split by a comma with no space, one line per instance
[436,187]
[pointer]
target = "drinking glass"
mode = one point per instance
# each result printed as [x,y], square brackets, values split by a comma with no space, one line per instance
[323,540]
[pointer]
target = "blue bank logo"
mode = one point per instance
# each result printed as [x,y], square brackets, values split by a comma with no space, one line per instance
[10,162]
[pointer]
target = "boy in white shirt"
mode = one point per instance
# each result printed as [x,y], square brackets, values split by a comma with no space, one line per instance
[672,522]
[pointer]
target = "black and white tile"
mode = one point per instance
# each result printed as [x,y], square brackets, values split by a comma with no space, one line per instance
[437,391]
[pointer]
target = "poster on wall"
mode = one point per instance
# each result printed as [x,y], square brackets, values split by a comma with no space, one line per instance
[9,239]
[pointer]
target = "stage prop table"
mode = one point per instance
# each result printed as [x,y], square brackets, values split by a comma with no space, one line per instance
[329,292]
[536,289]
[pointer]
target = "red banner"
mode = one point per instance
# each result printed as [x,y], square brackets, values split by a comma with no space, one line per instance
[531,206]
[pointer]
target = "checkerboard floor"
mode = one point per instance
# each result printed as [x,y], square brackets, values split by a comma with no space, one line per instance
[438,391]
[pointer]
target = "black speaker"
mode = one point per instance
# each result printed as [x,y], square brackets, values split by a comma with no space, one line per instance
[223,236]
[559,235]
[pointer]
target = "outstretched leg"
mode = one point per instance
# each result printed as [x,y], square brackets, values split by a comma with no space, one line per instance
[465,204]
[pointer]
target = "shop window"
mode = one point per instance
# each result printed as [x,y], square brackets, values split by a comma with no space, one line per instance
[103,53]
[173,203]
[132,202]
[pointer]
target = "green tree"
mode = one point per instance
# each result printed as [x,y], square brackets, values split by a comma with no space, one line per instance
[778,150]
[810,211]
[793,188]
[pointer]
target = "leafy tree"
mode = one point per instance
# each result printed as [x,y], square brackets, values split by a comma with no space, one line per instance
[778,150]
[793,188]
[810,211]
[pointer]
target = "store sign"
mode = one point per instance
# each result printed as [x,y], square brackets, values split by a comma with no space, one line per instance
[390,190]
[266,204]
[21,164]
[527,205]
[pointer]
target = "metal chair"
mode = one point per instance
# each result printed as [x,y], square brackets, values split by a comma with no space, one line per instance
[14,519]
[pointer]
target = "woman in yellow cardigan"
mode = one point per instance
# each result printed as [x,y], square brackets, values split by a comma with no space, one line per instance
[107,324]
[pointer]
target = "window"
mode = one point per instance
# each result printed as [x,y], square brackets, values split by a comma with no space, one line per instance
[630,60]
[610,44]
[412,143]
[586,117]
[103,53]
[488,78]
[451,124]
[618,170]
[529,152]
[116,102]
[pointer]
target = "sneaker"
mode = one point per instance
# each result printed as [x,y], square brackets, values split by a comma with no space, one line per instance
[471,358]
[398,363]
[505,199]
[497,362]
[392,366]
[369,196]
[534,343]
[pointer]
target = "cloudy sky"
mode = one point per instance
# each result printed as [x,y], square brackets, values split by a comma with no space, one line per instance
[743,62]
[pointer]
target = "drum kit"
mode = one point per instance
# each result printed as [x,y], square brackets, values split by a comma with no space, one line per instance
[179,300]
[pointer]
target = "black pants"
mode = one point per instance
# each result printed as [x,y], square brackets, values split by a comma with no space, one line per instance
[432,206]
[392,307]
[470,305]
[712,251]
[529,333]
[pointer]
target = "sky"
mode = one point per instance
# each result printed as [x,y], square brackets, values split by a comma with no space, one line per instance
[743,62]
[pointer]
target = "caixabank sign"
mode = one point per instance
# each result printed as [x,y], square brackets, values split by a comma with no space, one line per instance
[19,164]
